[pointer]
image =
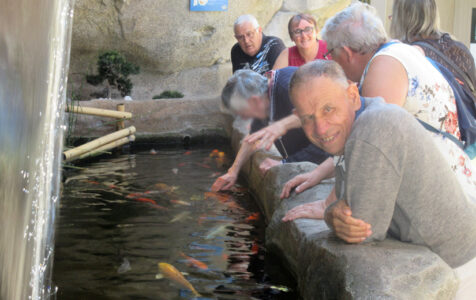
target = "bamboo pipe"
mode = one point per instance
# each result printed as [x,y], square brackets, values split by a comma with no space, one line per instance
[68,155]
[120,123]
[99,112]
[104,148]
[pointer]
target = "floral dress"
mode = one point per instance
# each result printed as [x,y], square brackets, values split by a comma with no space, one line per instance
[430,99]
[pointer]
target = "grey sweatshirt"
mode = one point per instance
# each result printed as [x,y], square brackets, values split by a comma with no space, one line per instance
[396,179]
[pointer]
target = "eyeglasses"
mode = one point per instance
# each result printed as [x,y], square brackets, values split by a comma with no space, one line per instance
[328,53]
[306,30]
[249,35]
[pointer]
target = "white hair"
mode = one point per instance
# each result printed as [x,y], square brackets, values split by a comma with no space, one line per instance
[357,27]
[240,87]
[246,18]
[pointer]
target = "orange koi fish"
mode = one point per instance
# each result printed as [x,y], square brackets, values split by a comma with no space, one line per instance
[254,248]
[253,217]
[188,153]
[134,195]
[214,153]
[203,165]
[92,182]
[218,196]
[182,164]
[195,262]
[170,272]
[146,200]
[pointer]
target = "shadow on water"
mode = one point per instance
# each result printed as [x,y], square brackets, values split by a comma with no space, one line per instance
[120,217]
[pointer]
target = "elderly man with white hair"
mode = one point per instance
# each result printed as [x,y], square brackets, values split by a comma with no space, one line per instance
[254,50]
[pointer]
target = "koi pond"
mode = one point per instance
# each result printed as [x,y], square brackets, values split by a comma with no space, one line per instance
[120,217]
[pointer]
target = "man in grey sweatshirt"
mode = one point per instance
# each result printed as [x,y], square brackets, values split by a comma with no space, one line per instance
[389,170]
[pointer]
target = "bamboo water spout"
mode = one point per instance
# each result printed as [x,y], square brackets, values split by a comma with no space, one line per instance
[99,112]
[106,147]
[88,147]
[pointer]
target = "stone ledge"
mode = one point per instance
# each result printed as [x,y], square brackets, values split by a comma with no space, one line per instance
[327,268]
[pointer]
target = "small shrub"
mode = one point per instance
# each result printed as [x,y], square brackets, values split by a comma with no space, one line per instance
[168,94]
[115,69]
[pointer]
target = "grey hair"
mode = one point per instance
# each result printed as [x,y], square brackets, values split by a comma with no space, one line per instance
[240,87]
[318,68]
[357,27]
[246,18]
[414,20]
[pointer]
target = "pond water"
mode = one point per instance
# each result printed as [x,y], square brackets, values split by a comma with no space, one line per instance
[119,217]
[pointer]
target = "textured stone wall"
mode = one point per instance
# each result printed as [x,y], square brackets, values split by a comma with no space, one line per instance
[176,49]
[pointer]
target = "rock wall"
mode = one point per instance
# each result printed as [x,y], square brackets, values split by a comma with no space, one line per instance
[158,119]
[177,49]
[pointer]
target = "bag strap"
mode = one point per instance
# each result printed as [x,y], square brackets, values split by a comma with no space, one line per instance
[445,134]
[461,74]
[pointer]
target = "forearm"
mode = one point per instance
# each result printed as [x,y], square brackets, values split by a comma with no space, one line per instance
[331,198]
[245,152]
[325,170]
[290,122]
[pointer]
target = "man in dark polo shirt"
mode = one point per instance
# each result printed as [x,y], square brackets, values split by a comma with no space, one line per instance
[254,50]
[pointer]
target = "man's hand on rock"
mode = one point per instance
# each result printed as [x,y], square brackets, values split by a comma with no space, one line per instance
[302,182]
[266,136]
[350,229]
[312,210]
[267,164]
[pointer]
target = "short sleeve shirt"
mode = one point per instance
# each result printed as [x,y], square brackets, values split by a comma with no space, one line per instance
[263,61]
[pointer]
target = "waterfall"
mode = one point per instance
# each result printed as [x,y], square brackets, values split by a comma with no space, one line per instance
[34,58]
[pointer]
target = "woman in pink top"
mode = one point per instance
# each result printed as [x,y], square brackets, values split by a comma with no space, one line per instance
[303,32]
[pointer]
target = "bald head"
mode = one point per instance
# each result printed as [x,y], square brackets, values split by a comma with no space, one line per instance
[319,68]
[326,104]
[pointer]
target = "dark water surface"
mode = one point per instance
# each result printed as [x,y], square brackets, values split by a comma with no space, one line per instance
[119,217]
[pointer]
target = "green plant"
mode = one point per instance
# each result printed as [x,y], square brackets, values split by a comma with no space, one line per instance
[168,94]
[115,69]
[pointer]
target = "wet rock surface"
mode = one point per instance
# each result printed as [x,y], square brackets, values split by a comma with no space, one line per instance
[328,268]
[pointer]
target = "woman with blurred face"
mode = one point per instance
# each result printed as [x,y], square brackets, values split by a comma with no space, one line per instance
[303,32]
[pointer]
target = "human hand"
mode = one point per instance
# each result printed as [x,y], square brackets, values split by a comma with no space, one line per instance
[302,182]
[224,182]
[267,164]
[346,227]
[312,210]
[266,136]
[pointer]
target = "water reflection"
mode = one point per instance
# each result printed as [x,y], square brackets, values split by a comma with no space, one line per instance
[119,218]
